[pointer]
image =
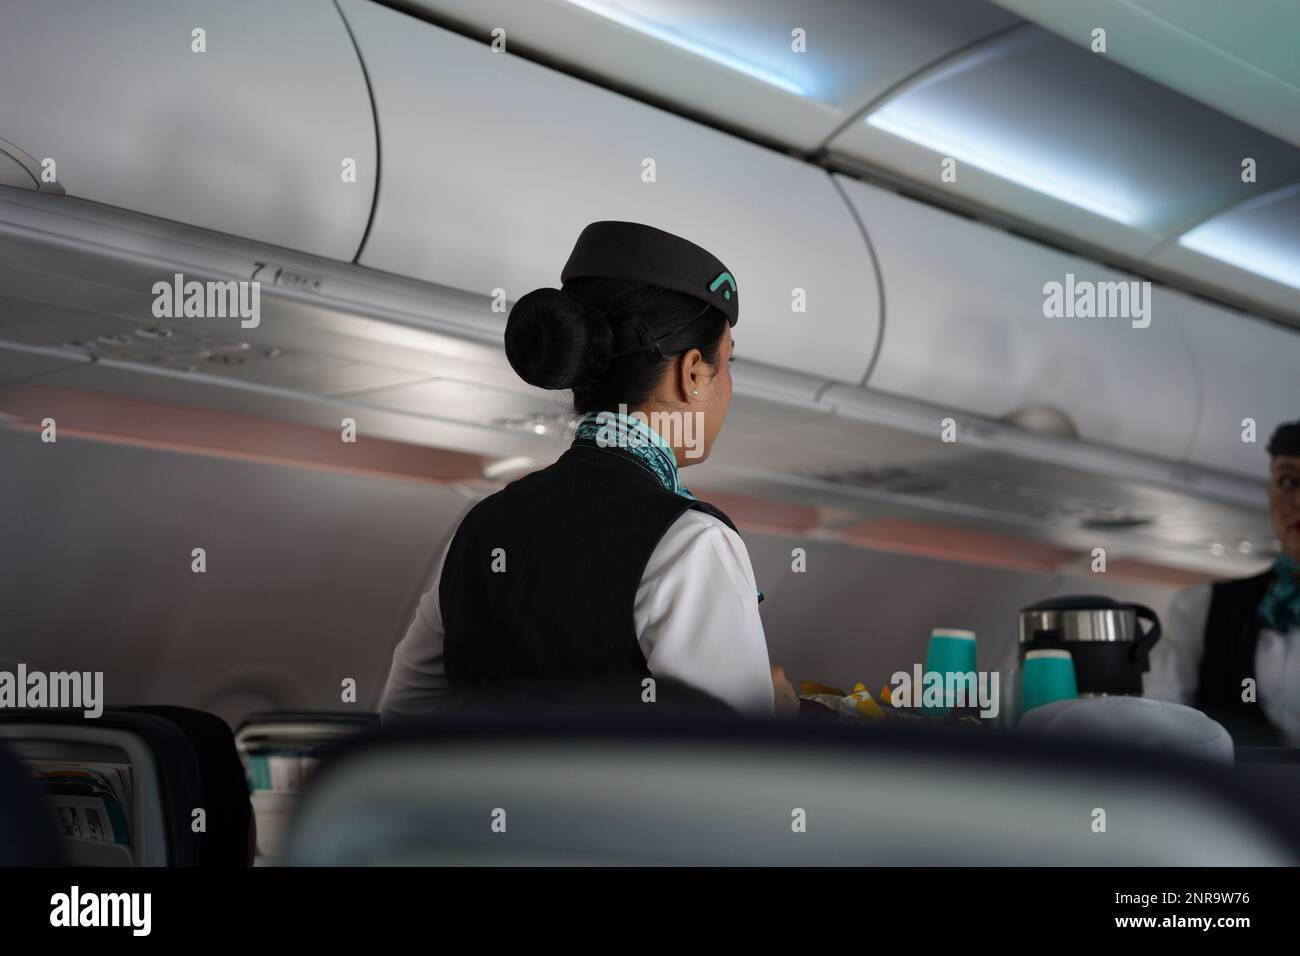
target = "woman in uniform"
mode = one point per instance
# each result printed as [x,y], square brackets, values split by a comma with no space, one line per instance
[603,569]
[1232,649]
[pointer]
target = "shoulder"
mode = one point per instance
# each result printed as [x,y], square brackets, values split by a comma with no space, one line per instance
[1242,584]
[698,529]
[701,545]
[1251,589]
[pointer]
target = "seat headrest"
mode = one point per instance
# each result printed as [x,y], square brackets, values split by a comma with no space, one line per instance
[1138,721]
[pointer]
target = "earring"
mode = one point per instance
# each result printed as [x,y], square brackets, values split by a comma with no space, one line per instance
[695,391]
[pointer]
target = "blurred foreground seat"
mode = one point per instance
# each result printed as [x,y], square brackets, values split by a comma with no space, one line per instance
[1275,768]
[122,788]
[28,836]
[227,839]
[549,790]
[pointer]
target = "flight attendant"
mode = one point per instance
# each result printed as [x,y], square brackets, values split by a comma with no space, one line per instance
[603,569]
[1219,636]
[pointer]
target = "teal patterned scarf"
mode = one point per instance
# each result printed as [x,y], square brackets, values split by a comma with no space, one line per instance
[1280,608]
[617,430]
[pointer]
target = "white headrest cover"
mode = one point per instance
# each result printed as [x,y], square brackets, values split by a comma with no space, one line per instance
[1138,721]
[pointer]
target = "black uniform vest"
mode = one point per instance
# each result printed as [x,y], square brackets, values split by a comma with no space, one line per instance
[1231,636]
[538,586]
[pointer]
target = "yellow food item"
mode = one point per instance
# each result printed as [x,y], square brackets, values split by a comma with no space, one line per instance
[869,708]
[863,704]
[859,704]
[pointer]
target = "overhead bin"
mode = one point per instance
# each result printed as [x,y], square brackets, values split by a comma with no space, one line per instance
[493,164]
[76,304]
[696,59]
[1250,369]
[249,137]
[1251,250]
[20,170]
[965,328]
[1244,66]
[996,110]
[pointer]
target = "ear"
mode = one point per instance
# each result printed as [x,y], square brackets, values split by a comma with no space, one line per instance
[693,377]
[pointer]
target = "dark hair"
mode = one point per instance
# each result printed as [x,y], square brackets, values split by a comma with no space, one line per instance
[566,338]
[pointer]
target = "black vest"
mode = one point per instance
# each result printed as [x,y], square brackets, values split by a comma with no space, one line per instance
[575,538]
[1231,636]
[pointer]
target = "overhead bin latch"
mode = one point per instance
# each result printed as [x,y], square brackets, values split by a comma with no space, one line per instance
[285,276]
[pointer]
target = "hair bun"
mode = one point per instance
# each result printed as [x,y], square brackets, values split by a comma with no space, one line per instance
[556,340]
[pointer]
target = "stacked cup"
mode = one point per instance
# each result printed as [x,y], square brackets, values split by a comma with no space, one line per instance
[952,651]
[1048,675]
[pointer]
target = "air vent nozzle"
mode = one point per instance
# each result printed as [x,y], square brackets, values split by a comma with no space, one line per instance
[1042,420]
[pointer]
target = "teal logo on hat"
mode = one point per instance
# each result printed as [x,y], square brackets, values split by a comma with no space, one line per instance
[723,277]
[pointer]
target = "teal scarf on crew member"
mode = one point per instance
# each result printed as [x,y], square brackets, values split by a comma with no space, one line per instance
[1280,608]
[616,430]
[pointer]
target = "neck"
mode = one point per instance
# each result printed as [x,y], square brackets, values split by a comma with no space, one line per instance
[681,430]
[631,431]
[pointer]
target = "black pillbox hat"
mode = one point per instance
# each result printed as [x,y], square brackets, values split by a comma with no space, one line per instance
[1286,440]
[611,249]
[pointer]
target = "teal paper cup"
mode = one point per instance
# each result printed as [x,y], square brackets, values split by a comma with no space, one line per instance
[1047,676]
[952,651]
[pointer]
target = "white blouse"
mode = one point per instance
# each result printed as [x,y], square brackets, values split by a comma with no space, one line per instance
[695,615]
[1176,663]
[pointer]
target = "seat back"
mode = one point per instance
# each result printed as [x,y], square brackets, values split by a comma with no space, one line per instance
[774,793]
[228,815]
[123,786]
[280,751]
[28,836]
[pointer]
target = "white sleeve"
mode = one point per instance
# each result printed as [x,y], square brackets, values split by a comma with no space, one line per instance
[417,681]
[1176,658]
[696,614]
